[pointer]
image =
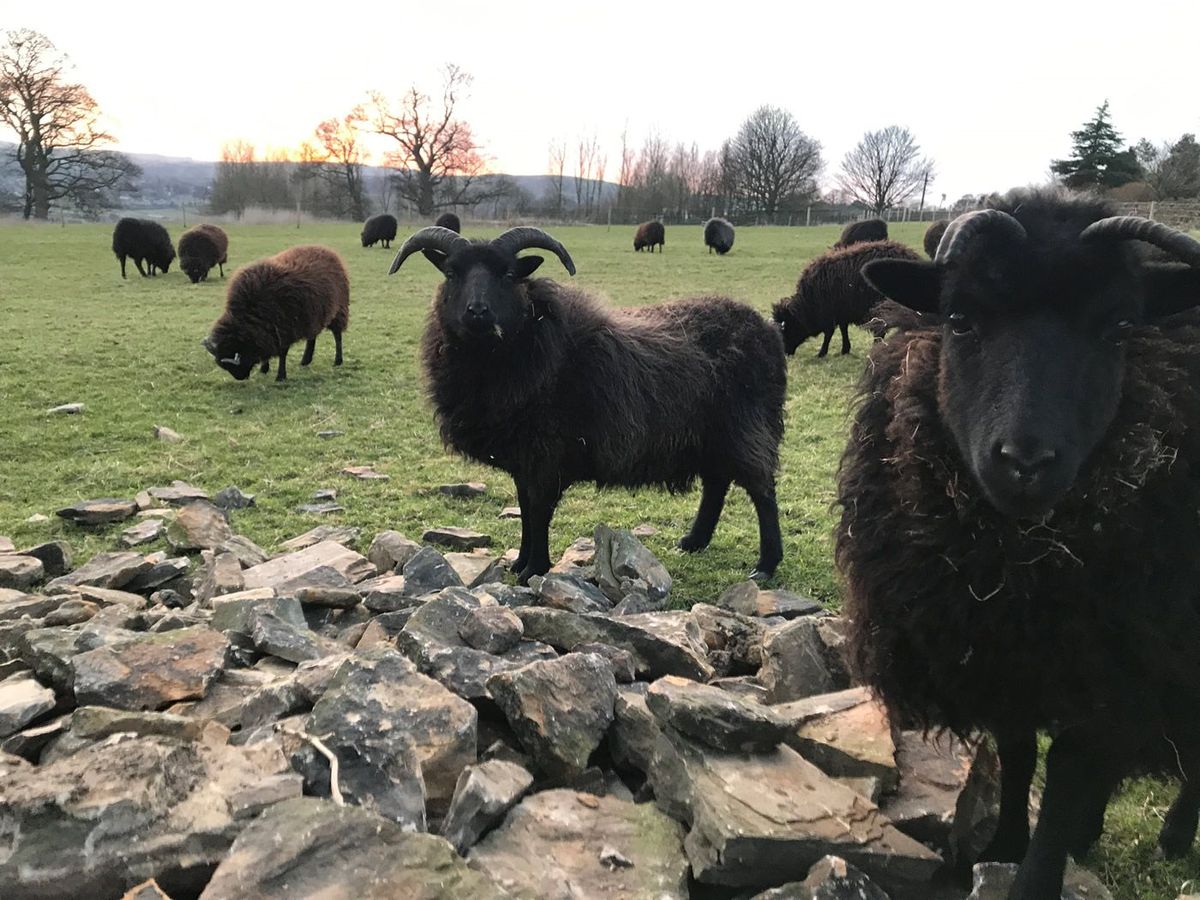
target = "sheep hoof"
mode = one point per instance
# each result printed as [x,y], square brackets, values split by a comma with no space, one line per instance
[759,575]
[691,544]
[1175,842]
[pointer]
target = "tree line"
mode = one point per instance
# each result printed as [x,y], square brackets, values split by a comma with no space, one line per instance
[767,170]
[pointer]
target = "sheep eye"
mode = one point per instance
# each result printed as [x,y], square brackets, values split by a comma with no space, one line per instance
[450,276]
[959,323]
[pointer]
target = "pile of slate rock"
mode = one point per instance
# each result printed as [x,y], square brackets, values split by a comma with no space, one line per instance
[395,718]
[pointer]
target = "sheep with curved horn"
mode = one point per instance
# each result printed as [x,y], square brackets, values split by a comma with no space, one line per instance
[539,380]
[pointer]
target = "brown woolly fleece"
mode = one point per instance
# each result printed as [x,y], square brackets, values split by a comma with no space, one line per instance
[648,235]
[862,232]
[963,619]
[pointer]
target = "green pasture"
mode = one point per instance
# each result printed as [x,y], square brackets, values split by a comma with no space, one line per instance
[71,330]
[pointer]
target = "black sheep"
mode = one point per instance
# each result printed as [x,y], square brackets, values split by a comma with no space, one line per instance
[1019,535]
[379,228]
[649,234]
[933,235]
[201,248]
[143,241]
[832,294]
[275,302]
[862,232]
[449,220]
[718,235]
[539,380]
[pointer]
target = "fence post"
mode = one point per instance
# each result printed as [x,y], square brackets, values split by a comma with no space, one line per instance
[183,209]
[610,218]
[807,217]
[1151,216]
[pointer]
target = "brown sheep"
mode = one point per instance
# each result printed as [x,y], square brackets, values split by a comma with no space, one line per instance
[862,232]
[649,234]
[933,236]
[201,248]
[275,302]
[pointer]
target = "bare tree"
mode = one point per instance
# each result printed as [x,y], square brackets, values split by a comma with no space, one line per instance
[558,163]
[438,161]
[626,172]
[342,165]
[242,180]
[773,160]
[885,169]
[57,125]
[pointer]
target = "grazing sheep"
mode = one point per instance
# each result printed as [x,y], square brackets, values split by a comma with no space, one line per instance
[449,220]
[143,240]
[379,228]
[718,235]
[933,235]
[539,380]
[200,249]
[649,234]
[862,232]
[291,296]
[1019,533]
[832,294]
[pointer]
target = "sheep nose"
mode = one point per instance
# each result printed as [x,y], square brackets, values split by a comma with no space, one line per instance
[477,309]
[1026,460]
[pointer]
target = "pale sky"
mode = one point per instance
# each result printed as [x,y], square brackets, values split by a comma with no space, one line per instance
[991,90]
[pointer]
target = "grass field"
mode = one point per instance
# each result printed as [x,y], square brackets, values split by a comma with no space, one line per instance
[72,331]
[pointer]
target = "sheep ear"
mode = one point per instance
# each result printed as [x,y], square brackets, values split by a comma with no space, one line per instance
[1170,288]
[527,265]
[916,285]
[436,257]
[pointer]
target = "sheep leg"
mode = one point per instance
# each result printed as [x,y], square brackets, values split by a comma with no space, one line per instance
[1179,827]
[518,565]
[221,268]
[1018,759]
[141,271]
[1074,774]
[541,498]
[712,501]
[770,541]
[122,266]
[281,372]
[310,347]
[825,344]
[845,339]
[337,343]
[266,366]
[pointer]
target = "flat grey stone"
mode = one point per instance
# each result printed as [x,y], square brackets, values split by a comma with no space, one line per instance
[830,878]
[492,629]
[233,498]
[456,538]
[463,489]
[178,493]
[624,565]
[199,526]
[427,571]
[390,550]
[804,658]
[56,557]
[567,845]
[98,512]
[19,573]
[345,535]
[22,699]
[66,409]
[991,881]
[714,717]
[323,586]
[220,574]
[657,649]
[282,569]
[560,709]
[108,570]
[150,671]
[312,848]
[570,593]
[143,532]
[483,795]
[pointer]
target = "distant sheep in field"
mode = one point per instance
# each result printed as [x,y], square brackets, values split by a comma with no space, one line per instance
[933,236]
[275,302]
[832,294]
[718,235]
[862,232]
[200,249]
[649,234]
[449,220]
[379,228]
[529,375]
[143,241]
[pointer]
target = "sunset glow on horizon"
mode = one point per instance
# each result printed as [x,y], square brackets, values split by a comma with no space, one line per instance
[991,93]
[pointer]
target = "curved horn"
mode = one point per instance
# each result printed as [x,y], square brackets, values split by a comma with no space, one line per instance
[434,237]
[1135,228]
[960,232]
[522,238]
